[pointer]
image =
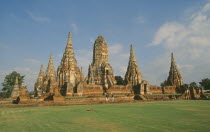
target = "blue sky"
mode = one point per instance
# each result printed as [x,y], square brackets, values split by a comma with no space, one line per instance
[30,30]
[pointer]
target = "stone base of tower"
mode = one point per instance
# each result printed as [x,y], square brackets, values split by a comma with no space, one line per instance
[23,99]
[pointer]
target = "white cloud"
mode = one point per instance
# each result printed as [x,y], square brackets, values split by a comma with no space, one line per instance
[191,44]
[74,27]
[37,18]
[115,48]
[84,59]
[140,19]
[119,58]
[32,61]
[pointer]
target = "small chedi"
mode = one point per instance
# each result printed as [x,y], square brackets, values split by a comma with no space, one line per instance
[15,90]
[23,94]
[19,93]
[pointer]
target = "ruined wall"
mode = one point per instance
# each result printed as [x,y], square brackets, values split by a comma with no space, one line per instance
[119,89]
[155,89]
[169,90]
[90,90]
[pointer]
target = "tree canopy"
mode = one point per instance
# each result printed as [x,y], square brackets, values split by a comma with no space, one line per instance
[119,80]
[205,83]
[193,84]
[9,82]
[164,83]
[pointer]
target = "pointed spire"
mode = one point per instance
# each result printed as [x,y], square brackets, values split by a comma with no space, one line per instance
[69,51]
[41,72]
[69,41]
[173,62]
[172,58]
[50,69]
[132,55]
[51,58]
[68,65]
[133,74]
[174,77]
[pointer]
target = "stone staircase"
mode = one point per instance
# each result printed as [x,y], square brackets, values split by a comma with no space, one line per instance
[143,97]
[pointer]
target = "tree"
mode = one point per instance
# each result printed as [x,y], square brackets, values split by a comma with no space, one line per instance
[9,82]
[205,83]
[193,85]
[119,80]
[3,94]
[164,83]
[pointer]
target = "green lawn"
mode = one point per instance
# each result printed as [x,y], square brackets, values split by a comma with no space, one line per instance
[153,116]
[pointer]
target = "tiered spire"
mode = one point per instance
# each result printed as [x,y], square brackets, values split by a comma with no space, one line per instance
[174,77]
[132,55]
[69,48]
[133,74]
[68,72]
[41,72]
[69,41]
[100,51]
[38,87]
[50,79]
[50,72]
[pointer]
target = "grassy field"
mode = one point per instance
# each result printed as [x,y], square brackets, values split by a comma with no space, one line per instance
[153,116]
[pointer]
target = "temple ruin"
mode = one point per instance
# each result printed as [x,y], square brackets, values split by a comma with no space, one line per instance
[70,81]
